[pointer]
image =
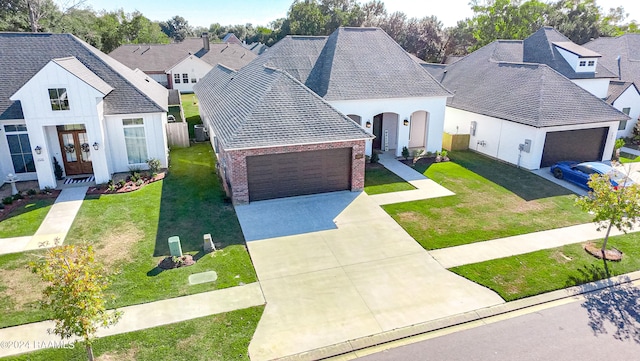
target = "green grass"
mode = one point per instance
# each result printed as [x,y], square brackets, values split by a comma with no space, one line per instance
[379,179]
[628,158]
[493,200]
[133,228]
[547,270]
[25,220]
[220,337]
[191,111]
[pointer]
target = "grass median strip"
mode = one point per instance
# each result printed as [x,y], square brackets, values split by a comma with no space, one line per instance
[25,220]
[548,270]
[220,337]
[492,200]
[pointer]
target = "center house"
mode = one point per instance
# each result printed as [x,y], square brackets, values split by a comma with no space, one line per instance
[300,118]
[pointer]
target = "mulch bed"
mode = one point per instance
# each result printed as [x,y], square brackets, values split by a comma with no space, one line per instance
[128,186]
[8,208]
[176,262]
[609,254]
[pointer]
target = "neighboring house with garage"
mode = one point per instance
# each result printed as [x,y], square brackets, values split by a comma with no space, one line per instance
[181,65]
[621,56]
[524,113]
[312,103]
[60,97]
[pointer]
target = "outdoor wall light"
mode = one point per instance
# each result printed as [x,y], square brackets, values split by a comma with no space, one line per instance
[38,150]
[368,125]
[95,145]
[406,122]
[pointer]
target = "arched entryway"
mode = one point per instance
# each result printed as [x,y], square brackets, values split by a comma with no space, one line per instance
[385,128]
[418,129]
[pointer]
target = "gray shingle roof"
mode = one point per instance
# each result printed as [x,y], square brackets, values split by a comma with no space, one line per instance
[353,63]
[525,93]
[539,48]
[616,88]
[24,54]
[75,67]
[627,47]
[159,58]
[264,107]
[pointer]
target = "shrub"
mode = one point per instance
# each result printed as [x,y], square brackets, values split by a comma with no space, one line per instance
[139,182]
[122,182]
[57,169]
[18,196]
[32,192]
[7,200]
[374,157]
[154,166]
[111,186]
[135,177]
[405,153]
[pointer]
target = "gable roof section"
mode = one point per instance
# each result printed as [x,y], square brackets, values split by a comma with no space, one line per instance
[24,54]
[616,89]
[158,58]
[539,48]
[626,46]
[75,67]
[576,49]
[353,63]
[265,107]
[530,94]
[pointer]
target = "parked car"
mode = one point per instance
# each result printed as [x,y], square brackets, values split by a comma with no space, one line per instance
[579,173]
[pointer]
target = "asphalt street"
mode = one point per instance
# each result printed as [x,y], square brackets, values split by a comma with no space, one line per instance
[603,325]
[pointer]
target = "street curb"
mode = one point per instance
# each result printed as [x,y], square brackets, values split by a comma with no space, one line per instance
[455,320]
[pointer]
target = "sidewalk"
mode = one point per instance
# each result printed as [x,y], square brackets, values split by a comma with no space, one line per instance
[425,187]
[142,316]
[511,246]
[55,225]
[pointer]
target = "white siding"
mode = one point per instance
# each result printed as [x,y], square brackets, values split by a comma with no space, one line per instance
[194,67]
[629,99]
[501,138]
[404,107]
[597,87]
[574,61]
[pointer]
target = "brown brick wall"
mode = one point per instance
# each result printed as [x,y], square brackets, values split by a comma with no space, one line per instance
[233,165]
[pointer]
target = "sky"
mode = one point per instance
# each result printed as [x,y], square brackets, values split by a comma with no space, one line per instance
[262,12]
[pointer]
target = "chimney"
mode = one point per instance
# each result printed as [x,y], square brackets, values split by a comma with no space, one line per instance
[619,70]
[205,41]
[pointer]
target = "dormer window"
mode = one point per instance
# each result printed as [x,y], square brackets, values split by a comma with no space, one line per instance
[592,62]
[59,99]
[582,63]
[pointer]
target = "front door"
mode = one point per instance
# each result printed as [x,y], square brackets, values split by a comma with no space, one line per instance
[377,131]
[77,152]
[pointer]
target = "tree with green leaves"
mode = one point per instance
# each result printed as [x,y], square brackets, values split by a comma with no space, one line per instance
[176,28]
[306,18]
[611,206]
[75,292]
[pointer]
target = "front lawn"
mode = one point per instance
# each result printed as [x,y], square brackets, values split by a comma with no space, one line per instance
[130,233]
[25,220]
[219,337]
[378,179]
[551,269]
[492,200]
[191,111]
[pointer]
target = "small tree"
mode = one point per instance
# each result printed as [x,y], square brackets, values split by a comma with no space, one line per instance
[75,292]
[405,153]
[611,206]
[616,148]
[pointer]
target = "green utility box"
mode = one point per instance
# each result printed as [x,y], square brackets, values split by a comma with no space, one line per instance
[174,246]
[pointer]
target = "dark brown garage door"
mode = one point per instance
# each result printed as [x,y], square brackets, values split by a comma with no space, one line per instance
[579,145]
[294,174]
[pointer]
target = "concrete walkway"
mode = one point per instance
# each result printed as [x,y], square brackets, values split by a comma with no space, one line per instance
[511,246]
[630,151]
[425,187]
[56,224]
[139,317]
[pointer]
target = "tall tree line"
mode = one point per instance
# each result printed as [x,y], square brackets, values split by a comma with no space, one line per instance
[426,37]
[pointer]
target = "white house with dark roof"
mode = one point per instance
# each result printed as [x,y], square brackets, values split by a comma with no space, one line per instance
[621,56]
[181,65]
[312,103]
[524,113]
[61,98]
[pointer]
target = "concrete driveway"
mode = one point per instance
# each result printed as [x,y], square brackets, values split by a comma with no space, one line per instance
[546,174]
[360,276]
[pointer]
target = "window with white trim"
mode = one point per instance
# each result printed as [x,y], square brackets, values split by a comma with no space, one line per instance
[591,63]
[193,80]
[176,78]
[623,123]
[582,63]
[20,148]
[185,78]
[135,140]
[59,99]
